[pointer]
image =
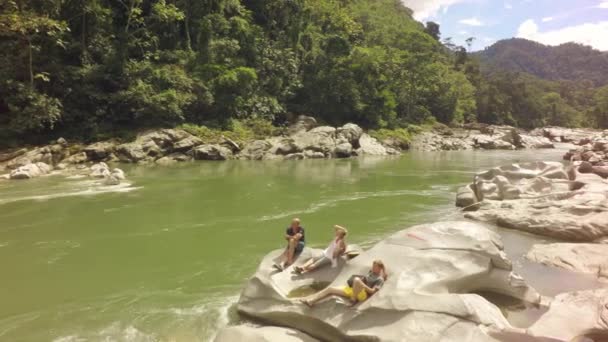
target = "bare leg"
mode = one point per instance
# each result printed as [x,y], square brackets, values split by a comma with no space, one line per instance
[290,251]
[329,291]
[358,286]
[304,268]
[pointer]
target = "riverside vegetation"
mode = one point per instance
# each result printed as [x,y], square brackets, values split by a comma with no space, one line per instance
[98,69]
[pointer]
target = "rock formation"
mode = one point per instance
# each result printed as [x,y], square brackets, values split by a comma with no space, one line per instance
[435,271]
[479,136]
[544,198]
[579,257]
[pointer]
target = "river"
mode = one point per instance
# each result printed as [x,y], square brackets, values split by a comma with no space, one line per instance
[163,257]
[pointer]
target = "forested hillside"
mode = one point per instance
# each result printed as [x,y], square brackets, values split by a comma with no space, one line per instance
[571,61]
[93,69]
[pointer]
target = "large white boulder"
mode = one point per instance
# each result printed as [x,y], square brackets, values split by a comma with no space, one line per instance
[435,271]
[255,150]
[31,170]
[212,152]
[349,133]
[574,316]
[543,198]
[370,146]
[320,139]
[589,258]
[99,170]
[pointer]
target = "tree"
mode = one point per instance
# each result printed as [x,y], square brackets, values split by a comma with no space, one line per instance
[432,29]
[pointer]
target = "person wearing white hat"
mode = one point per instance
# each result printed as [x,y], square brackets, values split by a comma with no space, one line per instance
[330,255]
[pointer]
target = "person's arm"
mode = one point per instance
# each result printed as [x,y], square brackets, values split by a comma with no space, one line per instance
[376,288]
[340,250]
[287,236]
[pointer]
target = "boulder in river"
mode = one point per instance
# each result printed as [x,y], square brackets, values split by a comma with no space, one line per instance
[31,170]
[255,150]
[575,316]
[187,143]
[77,158]
[319,139]
[131,152]
[589,258]
[99,150]
[434,274]
[212,152]
[350,133]
[543,198]
[99,170]
[343,150]
[370,146]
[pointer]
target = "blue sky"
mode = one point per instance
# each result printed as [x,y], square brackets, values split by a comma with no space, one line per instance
[550,22]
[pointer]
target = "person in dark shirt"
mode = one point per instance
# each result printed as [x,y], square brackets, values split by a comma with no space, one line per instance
[296,239]
[358,288]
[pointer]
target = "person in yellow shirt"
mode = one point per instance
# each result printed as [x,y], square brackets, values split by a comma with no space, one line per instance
[358,288]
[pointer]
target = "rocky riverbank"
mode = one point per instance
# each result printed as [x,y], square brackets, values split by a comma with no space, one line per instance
[304,139]
[479,136]
[568,202]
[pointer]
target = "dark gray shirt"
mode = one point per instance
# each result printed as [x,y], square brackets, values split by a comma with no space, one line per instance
[372,280]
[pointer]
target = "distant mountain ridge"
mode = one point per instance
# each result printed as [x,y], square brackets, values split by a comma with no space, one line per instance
[570,61]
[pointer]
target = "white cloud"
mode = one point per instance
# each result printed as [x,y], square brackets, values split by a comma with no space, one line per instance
[424,10]
[471,22]
[463,32]
[593,34]
[603,4]
[547,19]
[508,6]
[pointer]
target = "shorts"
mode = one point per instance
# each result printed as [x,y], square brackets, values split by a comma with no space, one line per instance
[348,292]
[321,261]
[299,247]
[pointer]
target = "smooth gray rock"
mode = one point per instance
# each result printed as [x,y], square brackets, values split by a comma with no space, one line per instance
[370,146]
[284,146]
[294,156]
[77,158]
[313,154]
[319,139]
[118,174]
[31,170]
[434,271]
[589,258]
[575,315]
[349,133]
[131,152]
[212,152]
[344,150]
[152,149]
[99,151]
[187,144]
[543,198]
[255,150]
[99,170]
[466,198]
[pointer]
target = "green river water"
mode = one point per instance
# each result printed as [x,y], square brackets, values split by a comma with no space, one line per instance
[163,257]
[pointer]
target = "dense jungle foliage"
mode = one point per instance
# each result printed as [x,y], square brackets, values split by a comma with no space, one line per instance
[93,69]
